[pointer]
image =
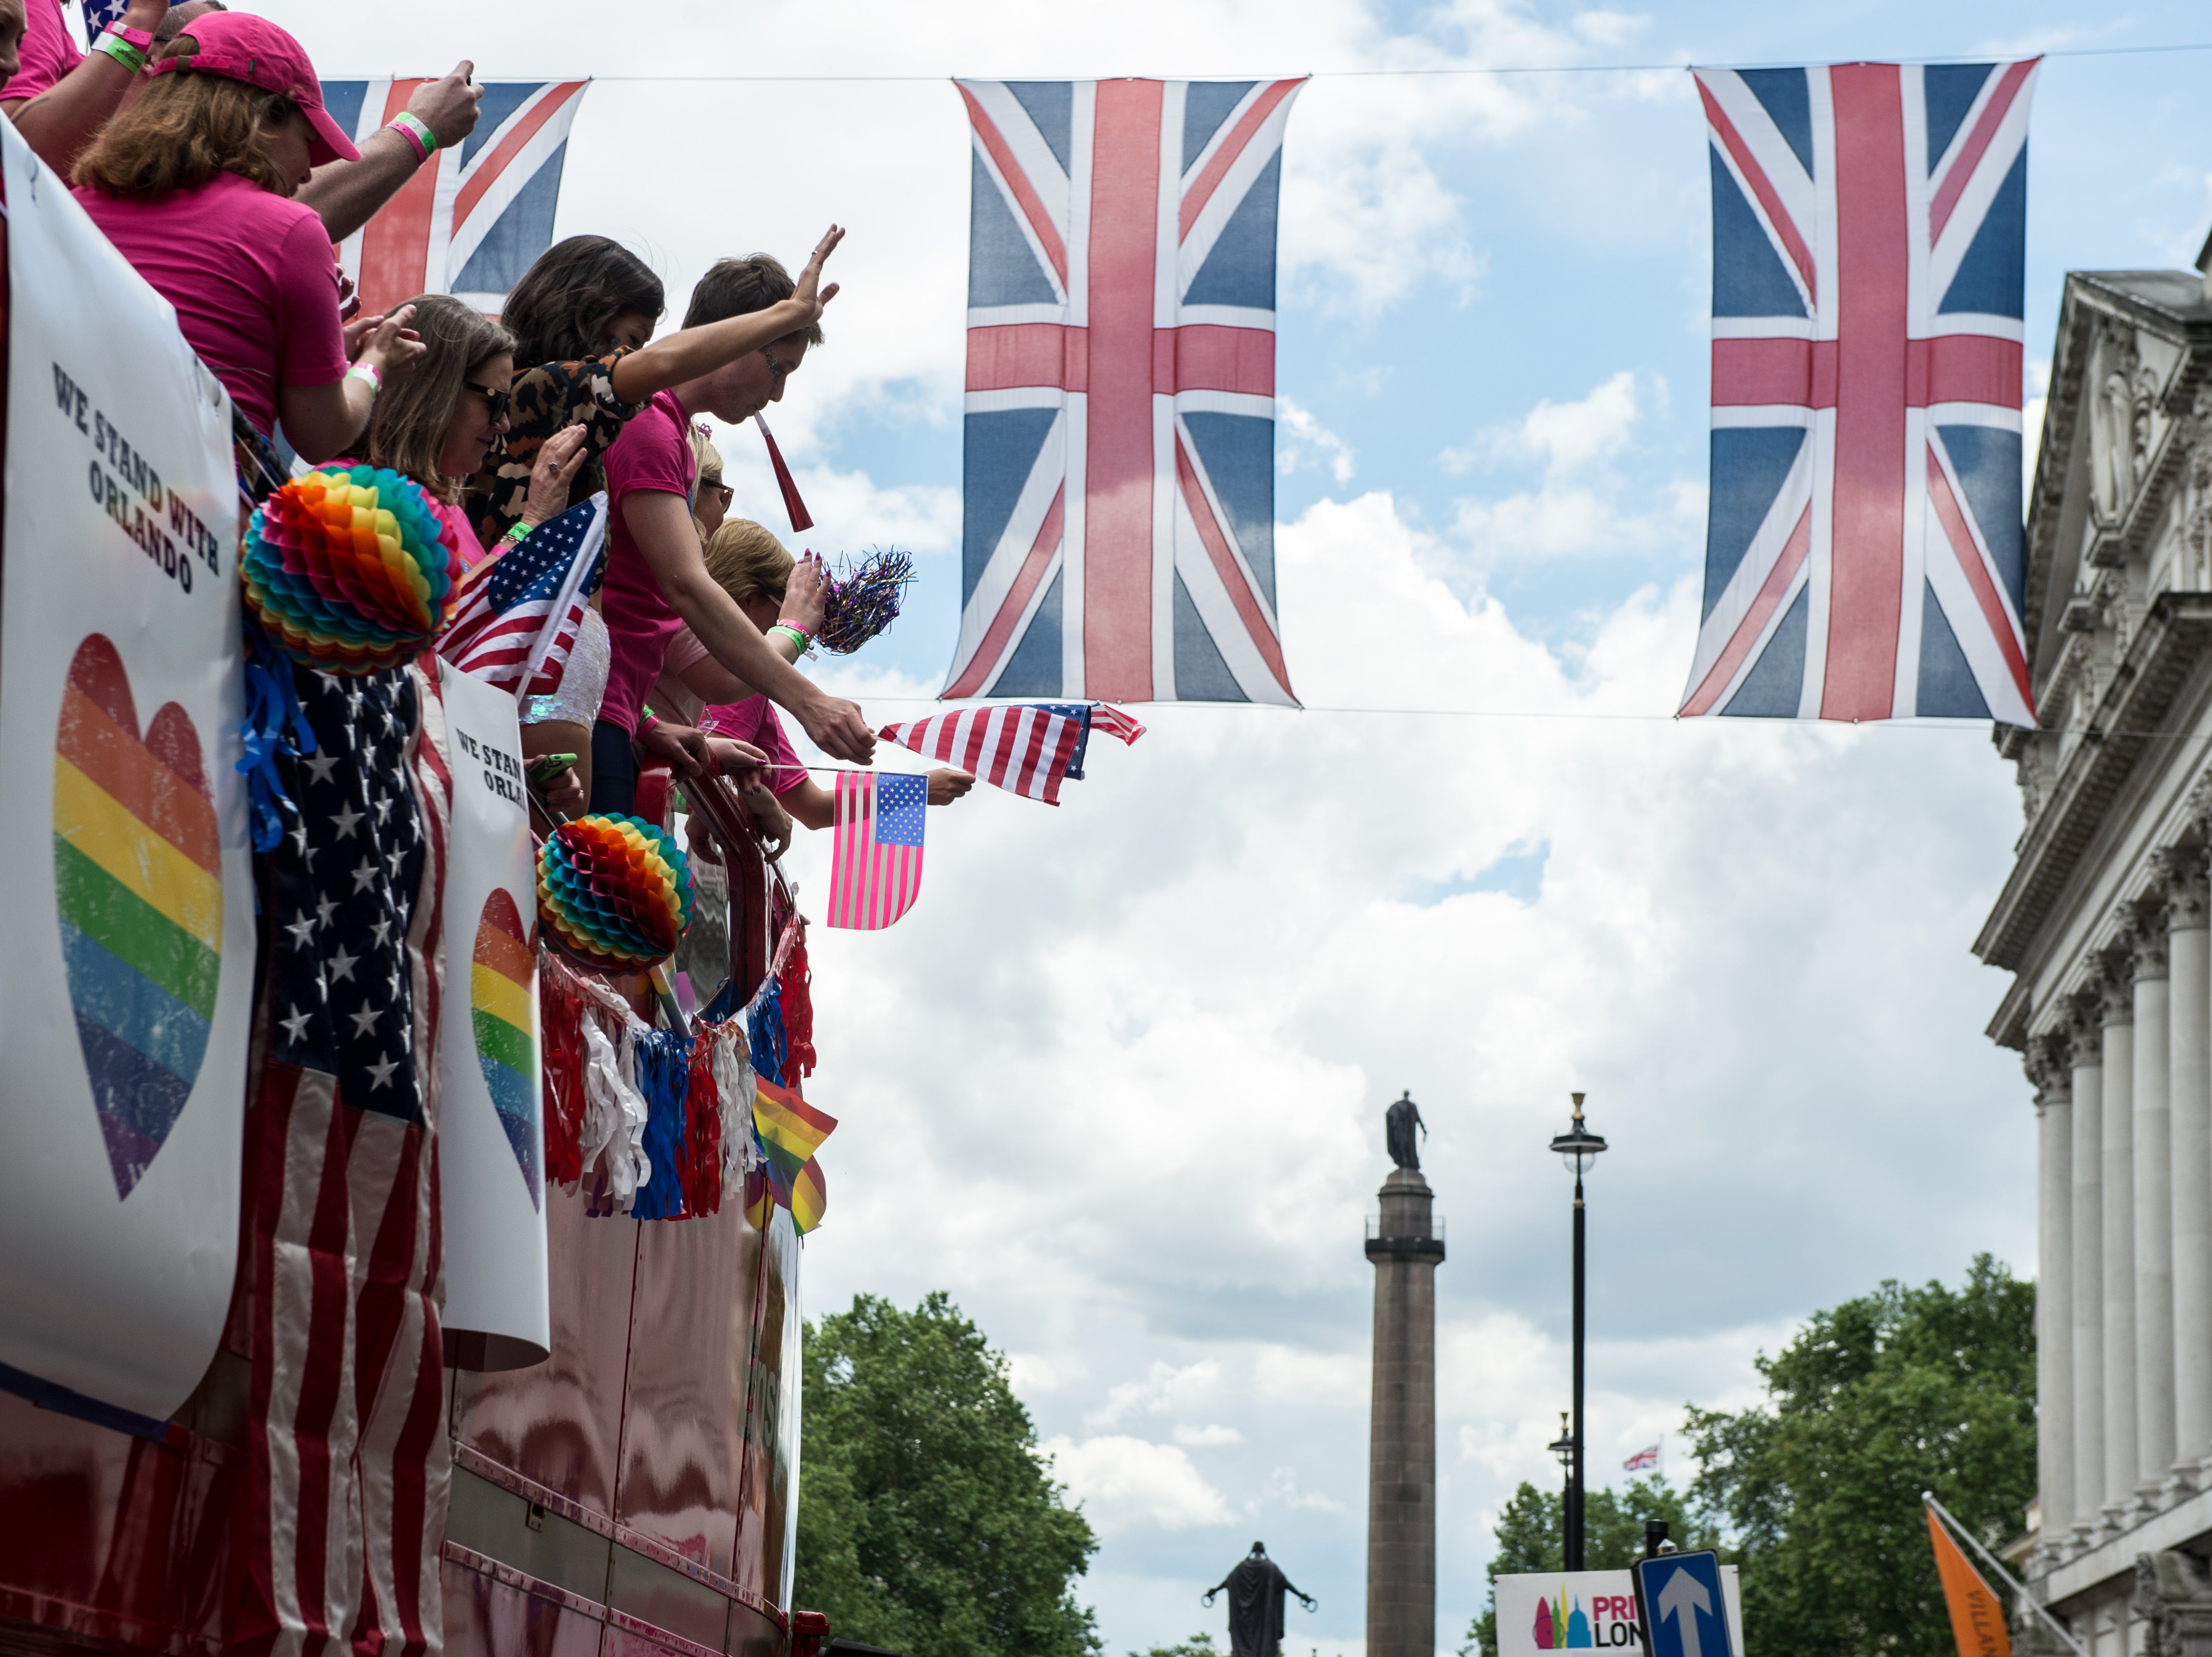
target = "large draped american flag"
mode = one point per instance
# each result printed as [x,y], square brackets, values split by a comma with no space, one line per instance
[1119,479]
[475,217]
[1864,557]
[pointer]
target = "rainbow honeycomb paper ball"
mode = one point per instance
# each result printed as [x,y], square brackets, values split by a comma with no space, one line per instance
[349,570]
[614,892]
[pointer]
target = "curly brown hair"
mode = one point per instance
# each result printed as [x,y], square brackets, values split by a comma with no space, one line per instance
[180,131]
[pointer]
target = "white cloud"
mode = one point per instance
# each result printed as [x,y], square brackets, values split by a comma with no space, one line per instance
[1577,507]
[1163,1390]
[1283,1491]
[1125,1482]
[1302,440]
[1207,1438]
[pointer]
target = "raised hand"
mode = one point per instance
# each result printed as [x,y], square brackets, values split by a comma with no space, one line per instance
[559,458]
[811,278]
[448,107]
[392,347]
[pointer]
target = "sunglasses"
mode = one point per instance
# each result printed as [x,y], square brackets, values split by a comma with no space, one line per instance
[497,402]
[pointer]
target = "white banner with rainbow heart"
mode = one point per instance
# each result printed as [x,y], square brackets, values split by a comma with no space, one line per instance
[491,1127]
[125,990]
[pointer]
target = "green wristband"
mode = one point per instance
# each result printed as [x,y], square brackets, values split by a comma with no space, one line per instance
[123,51]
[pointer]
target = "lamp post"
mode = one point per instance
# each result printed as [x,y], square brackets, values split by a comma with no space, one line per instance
[1563,1446]
[1577,1149]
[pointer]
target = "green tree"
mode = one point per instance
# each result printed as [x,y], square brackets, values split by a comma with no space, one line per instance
[1901,1391]
[1531,1538]
[927,1521]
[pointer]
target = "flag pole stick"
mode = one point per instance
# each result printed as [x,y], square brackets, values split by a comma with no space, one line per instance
[2013,1582]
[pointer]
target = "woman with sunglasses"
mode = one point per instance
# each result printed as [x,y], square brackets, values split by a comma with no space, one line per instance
[437,426]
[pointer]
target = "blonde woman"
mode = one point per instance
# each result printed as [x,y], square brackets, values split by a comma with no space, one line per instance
[782,596]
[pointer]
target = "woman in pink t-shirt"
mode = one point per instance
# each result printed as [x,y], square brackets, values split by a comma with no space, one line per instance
[193,183]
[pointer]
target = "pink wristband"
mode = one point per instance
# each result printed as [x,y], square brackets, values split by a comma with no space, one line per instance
[415,131]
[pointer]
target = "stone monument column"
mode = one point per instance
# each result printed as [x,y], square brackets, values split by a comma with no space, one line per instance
[1401,1458]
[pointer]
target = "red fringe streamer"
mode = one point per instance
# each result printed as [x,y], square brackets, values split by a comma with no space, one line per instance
[561,1057]
[702,1135]
[795,990]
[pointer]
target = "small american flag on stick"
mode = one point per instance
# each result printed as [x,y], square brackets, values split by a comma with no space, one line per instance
[875,868]
[521,610]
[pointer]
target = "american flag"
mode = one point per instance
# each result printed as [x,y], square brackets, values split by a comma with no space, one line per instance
[1864,556]
[347,1462]
[520,610]
[1119,479]
[473,220]
[1115,723]
[875,868]
[1026,750]
[1642,1460]
[101,16]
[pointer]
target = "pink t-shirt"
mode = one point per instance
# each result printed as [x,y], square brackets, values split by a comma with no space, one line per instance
[251,275]
[654,453]
[754,720]
[48,53]
[456,518]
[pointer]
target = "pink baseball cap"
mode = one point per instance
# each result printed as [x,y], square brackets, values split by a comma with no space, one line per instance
[240,46]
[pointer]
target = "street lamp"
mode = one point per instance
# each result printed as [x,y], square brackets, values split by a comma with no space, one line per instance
[1577,1149]
[1563,1446]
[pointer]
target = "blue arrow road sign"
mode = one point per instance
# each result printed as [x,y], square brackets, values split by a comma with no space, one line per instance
[1684,1609]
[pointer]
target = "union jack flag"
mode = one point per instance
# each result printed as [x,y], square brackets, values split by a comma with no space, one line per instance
[1119,480]
[1642,1460]
[477,217]
[1864,557]
[521,608]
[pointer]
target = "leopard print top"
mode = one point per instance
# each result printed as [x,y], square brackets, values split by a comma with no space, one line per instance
[546,399]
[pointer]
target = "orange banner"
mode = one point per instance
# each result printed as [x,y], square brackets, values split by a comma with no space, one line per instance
[1978,1619]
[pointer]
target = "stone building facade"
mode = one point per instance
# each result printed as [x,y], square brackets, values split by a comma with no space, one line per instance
[2104,924]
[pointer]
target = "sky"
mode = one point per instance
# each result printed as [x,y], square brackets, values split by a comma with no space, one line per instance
[1116,1083]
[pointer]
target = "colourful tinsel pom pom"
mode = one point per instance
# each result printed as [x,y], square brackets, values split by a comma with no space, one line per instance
[861,600]
[614,892]
[350,571]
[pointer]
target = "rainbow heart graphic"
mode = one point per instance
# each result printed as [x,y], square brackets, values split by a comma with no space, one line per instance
[502,980]
[138,886]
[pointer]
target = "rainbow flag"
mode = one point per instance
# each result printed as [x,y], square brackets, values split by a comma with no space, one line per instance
[138,889]
[790,1131]
[810,1197]
[503,987]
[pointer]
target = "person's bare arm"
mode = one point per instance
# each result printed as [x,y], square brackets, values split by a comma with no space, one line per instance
[661,524]
[810,804]
[346,194]
[64,120]
[701,350]
[320,420]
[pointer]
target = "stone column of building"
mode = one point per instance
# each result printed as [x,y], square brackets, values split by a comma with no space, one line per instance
[2189,965]
[1401,1434]
[2086,1164]
[2117,1175]
[2088,1273]
[2154,1205]
[2049,1065]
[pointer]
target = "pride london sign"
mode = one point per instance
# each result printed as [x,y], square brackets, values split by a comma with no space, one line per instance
[1583,1611]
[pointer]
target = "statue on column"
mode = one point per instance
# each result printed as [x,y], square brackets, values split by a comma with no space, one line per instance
[1399,1123]
[1255,1589]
